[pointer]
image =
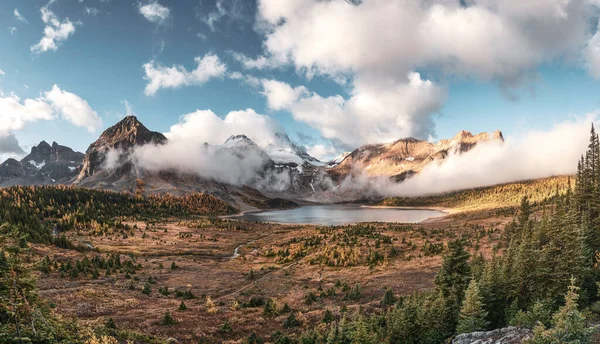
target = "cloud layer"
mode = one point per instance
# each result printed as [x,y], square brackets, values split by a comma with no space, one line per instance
[527,155]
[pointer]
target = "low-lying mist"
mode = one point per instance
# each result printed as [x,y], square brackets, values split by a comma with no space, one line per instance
[528,155]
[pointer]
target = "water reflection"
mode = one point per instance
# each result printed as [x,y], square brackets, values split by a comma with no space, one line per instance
[337,214]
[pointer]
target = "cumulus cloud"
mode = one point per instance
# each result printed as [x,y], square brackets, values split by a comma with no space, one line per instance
[281,95]
[2,72]
[372,114]
[19,16]
[154,12]
[16,113]
[73,109]
[377,47]
[205,126]
[158,76]
[488,39]
[55,32]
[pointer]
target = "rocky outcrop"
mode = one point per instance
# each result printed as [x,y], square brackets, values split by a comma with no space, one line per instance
[45,164]
[507,335]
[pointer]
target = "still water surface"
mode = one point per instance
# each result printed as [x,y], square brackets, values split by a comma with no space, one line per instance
[338,214]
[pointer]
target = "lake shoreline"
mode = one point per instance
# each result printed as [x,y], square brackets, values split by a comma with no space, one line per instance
[342,214]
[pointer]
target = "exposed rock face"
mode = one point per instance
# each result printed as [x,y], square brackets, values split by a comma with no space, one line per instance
[45,164]
[405,157]
[507,335]
[117,140]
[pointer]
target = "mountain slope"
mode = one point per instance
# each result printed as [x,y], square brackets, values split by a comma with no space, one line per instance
[405,157]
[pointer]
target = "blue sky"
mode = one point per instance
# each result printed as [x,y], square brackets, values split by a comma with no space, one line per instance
[101,63]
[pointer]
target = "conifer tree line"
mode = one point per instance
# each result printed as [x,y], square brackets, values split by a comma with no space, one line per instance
[41,211]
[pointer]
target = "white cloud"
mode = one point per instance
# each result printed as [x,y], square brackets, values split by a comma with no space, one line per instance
[371,115]
[12,30]
[55,31]
[260,62]
[373,45]
[72,108]
[128,108]
[159,76]
[205,126]
[186,152]
[16,113]
[19,17]
[592,55]
[281,95]
[154,12]
[489,39]
[323,152]
[2,72]
[91,11]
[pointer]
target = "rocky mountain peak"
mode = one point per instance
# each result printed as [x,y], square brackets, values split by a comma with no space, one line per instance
[234,140]
[129,132]
[41,151]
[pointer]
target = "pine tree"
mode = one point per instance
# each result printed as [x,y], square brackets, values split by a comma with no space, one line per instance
[472,313]
[452,280]
[388,298]
[569,326]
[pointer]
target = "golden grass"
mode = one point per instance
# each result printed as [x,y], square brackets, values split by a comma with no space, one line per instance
[489,197]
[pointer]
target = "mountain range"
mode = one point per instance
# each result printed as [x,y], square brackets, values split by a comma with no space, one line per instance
[280,173]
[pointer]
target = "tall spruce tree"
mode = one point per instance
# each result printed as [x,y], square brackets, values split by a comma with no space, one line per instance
[452,281]
[472,312]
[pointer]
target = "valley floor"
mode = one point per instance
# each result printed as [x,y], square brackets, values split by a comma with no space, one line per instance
[308,268]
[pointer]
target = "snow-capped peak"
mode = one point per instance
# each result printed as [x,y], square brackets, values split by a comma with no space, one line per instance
[37,165]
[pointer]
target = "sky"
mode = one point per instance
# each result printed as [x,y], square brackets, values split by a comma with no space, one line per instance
[333,74]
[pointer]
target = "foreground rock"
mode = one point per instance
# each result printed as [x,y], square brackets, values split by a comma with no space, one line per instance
[507,335]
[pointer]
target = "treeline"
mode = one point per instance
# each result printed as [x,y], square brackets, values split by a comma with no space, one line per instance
[42,212]
[539,192]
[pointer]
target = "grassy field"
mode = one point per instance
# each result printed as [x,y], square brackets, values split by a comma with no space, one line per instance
[507,195]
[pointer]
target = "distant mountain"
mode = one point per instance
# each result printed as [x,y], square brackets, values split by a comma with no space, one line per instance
[405,157]
[45,164]
[281,170]
[284,151]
